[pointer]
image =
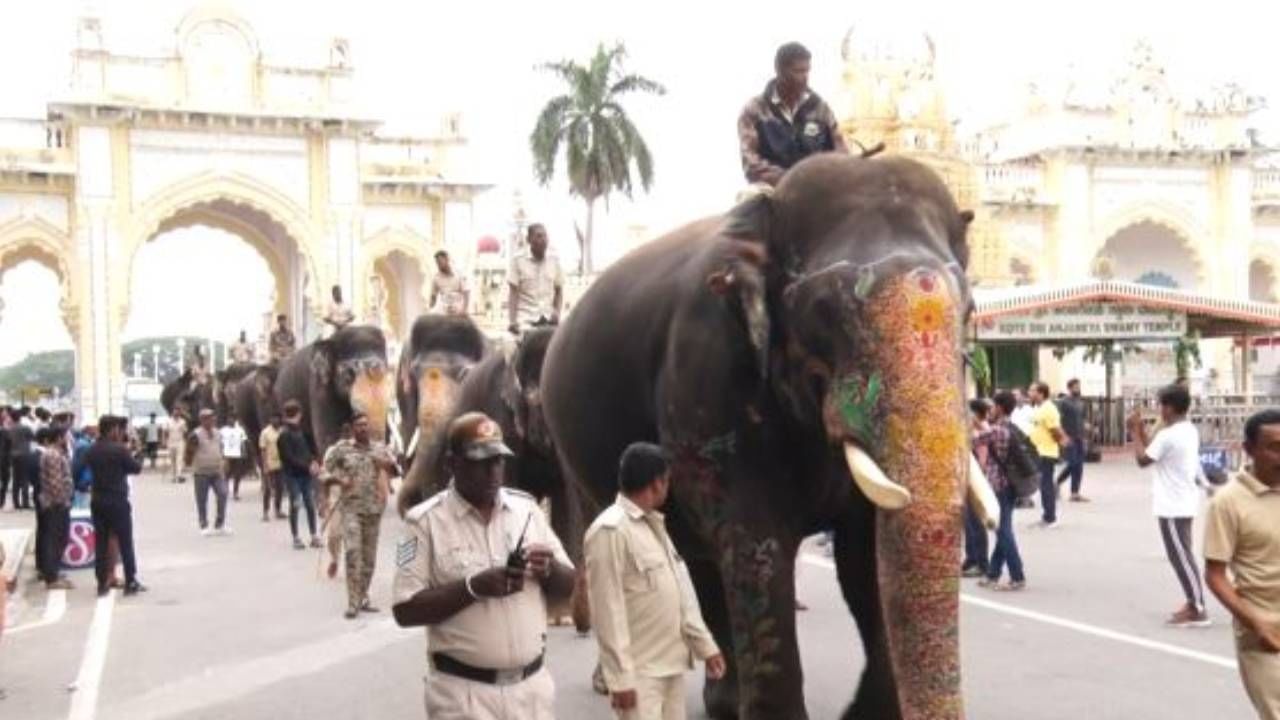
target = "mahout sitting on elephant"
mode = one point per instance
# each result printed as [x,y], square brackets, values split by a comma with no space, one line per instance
[335,377]
[440,351]
[800,359]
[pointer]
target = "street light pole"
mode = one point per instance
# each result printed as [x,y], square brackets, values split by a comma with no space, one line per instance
[155,362]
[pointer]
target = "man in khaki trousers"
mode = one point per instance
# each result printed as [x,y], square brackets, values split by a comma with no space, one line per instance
[647,621]
[1242,531]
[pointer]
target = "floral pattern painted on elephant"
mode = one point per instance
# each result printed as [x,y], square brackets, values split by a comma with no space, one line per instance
[916,333]
[749,562]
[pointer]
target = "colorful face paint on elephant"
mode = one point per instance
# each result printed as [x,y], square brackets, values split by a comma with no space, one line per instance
[366,380]
[437,393]
[923,448]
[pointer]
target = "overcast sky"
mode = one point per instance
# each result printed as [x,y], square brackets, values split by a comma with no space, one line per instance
[415,60]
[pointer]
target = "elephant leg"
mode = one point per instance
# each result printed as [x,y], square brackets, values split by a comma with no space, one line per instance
[855,556]
[758,574]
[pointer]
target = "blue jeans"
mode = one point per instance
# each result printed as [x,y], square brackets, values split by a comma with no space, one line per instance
[975,541]
[1074,458]
[1048,490]
[1006,543]
[300,487]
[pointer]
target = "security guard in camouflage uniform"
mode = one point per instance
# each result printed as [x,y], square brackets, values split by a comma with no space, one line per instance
[483,603]
[358,466]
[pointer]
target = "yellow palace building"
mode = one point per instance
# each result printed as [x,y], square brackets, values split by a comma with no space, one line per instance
[1138,183]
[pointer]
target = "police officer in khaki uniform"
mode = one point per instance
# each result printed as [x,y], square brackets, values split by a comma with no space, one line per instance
[647,619]
[484,604]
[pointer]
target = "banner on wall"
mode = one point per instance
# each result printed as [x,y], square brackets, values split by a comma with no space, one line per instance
[1085,323]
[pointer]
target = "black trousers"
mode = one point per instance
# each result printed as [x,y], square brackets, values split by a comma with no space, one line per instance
[113,518]
[6,474]
[55,523]
[21,466]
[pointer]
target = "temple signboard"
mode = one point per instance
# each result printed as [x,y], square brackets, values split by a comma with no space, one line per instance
[1086,323]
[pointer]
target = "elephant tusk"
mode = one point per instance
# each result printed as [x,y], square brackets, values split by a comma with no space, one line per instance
[981,497]
[871,480]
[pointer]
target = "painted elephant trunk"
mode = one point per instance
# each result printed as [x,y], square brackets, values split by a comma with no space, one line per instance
[371,395]
[923,450]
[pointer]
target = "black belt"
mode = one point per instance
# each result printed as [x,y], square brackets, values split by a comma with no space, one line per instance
[457,668]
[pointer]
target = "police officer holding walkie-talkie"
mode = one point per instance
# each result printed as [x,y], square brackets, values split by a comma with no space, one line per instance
[477,565]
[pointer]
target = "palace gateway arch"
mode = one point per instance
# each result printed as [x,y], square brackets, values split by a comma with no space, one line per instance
[214,134]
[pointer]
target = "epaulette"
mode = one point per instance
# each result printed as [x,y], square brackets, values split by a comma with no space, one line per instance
[611,517]
[520,493]
[417,512]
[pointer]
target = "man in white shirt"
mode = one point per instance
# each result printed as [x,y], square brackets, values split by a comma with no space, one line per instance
[337,315]
[233,438]
[536,283]
[241,351]
[1175,453]
[449,292]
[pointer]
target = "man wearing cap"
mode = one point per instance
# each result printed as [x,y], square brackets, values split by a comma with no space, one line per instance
[358,467]
[477,567]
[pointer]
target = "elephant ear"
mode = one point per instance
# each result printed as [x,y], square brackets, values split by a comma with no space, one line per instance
[322,365]
[742,278]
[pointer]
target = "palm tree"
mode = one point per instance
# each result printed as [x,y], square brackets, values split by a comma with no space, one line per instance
[599,140]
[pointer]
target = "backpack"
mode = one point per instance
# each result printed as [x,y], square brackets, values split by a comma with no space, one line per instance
[1021,463]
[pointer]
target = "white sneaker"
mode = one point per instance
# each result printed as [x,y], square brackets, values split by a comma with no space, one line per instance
[206,532]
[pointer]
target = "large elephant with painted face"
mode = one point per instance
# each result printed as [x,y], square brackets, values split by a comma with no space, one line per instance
[336,377]
[506,386]
[441,350]
[800,359]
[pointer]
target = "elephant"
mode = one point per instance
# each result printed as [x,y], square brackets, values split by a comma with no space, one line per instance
[799,359]
[440,351]
[184,393]
[506,387]
[333,379]
[246,394]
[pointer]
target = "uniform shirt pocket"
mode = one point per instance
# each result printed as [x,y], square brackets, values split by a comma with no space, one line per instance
[643,575]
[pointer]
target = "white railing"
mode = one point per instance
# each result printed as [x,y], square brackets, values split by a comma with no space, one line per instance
[1013,184]
[1266,185]
[25,134]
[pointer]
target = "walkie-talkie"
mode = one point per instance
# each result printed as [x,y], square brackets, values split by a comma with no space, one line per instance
[516,560]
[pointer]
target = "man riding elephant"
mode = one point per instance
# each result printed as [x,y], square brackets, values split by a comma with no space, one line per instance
[787,122]
[800,359]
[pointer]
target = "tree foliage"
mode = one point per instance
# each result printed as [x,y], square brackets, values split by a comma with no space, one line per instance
[588,125]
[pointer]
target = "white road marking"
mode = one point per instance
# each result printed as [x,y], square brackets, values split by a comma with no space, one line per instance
[55,607]
[1083,628]
[183,697]
[84,700]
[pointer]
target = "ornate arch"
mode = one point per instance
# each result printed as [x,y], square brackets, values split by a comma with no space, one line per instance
[411,244]
[177,205]
[1268,255]
[1180,223]
[39,240]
